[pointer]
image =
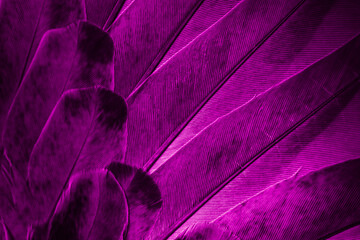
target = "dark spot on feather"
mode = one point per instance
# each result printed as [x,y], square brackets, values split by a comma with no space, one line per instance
[96,45]
[214,159]
[113,110]
[305,183]
[144,189]
[63,13]
[299,33]
[121,171]
[74,103]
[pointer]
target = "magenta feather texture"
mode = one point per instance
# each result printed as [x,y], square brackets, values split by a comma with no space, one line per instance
[198,119]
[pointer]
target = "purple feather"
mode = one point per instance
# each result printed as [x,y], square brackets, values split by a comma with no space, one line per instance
[143,196]
[199,119]
[95,120]
[65,60]
[226,147]
[91,202]
[22,25]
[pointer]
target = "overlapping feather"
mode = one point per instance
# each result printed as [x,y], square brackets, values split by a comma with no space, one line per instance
[271,70]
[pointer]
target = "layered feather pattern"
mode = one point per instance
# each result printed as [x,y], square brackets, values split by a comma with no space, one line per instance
[198,119]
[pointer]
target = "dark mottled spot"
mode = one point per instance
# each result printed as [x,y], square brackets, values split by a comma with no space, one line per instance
[113,109]
[74,103]
[144,189]
[305,183]
[121,171]
[96,45]
[214,159]
[65,12]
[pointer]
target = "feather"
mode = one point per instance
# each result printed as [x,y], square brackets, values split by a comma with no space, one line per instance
[86,130]
[324,139]
[173,94]
[5,233]
[143,196]
[2,232]
[22,25]
[309,207]
[198,24]
[226,147]
[93,207]
[306,208]
[349,234]
[313,32]
[65,60]
[103,13]
[225,99]
[139,41]
[9,214]
[208,232]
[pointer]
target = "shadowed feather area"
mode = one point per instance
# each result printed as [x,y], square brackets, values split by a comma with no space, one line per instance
[143,197]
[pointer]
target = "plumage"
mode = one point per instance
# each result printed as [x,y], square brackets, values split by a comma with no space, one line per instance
[65,60]
[324,139]
[93,207]
[309,207]
[143,196]
[95,120]
[207,231]
[103,13]
[140,43]
[22,25]
[192,76]
[199,119]
[226,147]
[198,24]
[313,32]
[5,234]
[350,234]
